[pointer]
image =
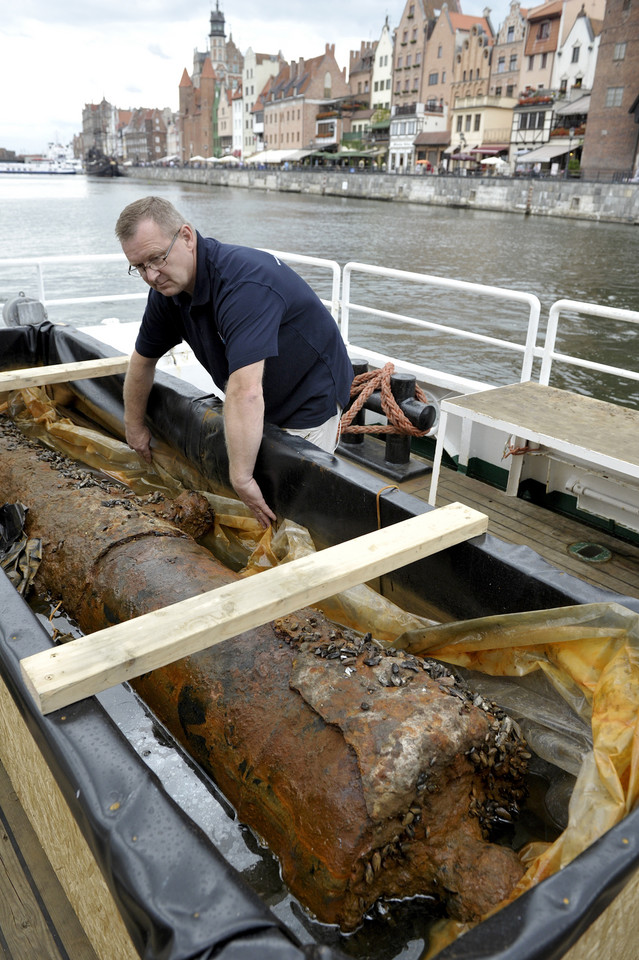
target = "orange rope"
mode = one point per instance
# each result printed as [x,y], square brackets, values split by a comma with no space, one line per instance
[362,387]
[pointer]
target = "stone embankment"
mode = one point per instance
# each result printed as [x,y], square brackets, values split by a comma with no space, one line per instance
[577,199]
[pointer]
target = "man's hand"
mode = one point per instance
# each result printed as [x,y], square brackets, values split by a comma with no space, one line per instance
[137,387]
[251,495]
[139,439]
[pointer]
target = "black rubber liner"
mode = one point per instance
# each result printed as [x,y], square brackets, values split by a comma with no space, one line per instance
[158,884]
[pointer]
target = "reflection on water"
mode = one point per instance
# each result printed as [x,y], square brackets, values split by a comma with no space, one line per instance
[552,258]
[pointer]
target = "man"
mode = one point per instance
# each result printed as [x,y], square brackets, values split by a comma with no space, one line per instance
[257,327]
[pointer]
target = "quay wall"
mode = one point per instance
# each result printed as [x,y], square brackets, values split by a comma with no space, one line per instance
[575,199]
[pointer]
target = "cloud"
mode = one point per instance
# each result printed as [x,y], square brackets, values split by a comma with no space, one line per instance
[156,51]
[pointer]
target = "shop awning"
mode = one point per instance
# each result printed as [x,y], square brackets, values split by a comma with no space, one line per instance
[432,138]
[545,154]
[491,149]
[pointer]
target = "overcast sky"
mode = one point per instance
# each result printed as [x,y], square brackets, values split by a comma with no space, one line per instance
[57,56]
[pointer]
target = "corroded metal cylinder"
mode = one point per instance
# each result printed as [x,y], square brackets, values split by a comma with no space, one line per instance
[368,773]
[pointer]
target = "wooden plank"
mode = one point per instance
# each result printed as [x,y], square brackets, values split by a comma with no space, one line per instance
[62,372]
[62,841]
[565,421]
[89,664]
[32,864]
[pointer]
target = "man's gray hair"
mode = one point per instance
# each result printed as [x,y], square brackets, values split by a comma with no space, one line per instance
[157,209]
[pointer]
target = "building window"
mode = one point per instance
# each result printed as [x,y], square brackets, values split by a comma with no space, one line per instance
[459,123]
[575,54]
[511,35]
[510,89]
[620,51]
[477,121]
[409,61]
[443,76]
[418,59]
[614,96]
[400,60]
[543,30]
[531,63]
[432,79]
[501,65]
[439,52]
[414,38]
[544,60]
[498,91]
[468,121]
[513,62]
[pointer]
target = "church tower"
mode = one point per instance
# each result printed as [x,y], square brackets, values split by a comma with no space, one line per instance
[217,42]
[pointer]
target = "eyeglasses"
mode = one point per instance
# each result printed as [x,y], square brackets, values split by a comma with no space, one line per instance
[155,263]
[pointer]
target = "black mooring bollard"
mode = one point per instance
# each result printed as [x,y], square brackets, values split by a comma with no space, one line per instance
[398,446]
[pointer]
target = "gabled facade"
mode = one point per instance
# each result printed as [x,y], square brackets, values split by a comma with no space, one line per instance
[542,43]
[99,127]
[382,79]
[360,71]
[471,69]
[507,54]
[258,69]
[577,57]
[446,41]
[293,102]
[411,38]
[145,136]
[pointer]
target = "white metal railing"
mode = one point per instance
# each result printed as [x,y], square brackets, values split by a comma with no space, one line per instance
[38,263]
[528,348]
[341,307]
[548,353]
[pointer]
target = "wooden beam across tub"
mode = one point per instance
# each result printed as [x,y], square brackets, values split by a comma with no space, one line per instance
[62,373]
[87,665]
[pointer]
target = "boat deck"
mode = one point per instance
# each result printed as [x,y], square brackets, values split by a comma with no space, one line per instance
[548,534]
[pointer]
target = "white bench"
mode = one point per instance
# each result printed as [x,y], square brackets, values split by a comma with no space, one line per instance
[594,431]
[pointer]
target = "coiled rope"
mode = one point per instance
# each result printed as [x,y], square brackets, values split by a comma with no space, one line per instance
[362,387]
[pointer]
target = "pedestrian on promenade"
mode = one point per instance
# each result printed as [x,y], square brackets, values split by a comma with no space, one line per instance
[254,324]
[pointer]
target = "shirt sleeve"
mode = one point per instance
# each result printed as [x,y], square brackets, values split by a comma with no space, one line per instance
[161,327]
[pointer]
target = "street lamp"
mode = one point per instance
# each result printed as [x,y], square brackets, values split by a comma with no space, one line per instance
[571,134]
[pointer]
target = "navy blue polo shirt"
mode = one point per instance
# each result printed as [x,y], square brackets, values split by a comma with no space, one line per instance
[248,306]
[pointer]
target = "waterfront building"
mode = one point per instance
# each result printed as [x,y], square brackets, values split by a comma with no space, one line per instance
[446,41]
[383,71]
[223,138]
[611,144]
[576,59]
[99,128]
[226,59]
[198,113]
[258,68]
[145,135]
[418,136]
[507,54]
[411,38]
[299,104]
[542,43]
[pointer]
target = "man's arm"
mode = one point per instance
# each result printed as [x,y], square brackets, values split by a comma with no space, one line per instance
[137,387]
[243,427]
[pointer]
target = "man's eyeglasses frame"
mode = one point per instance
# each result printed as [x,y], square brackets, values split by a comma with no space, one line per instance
[156,263]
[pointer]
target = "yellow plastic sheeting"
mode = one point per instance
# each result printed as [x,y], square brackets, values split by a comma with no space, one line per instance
[590,655]
[237,539]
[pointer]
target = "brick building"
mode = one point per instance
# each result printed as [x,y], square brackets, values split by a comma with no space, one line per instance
[611,144]
[298,104]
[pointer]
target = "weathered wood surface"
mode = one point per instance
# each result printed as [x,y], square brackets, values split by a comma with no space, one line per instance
[62,373]
[87,665]
[395,805]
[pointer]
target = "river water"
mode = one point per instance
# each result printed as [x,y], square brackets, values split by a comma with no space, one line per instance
[551,258]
